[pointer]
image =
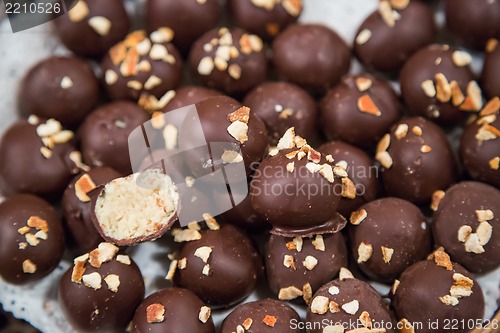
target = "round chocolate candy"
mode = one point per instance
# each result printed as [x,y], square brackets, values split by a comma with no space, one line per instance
[467,225]
[31,239]
[264,18]
[38,158]
[473,22]
[491,69]
[188,19]
[387,236]
[189,95]
[231,60]
[173,310]
[360,170]
[64,88]
[244,216]
[433,291]
[416,160]
[265,316]
[221,266]
[437,83]
[142,65]
[282,105]
[392,33]
[311,56]
[359,110]
[296,268]
[480,145]
[91,27]
[104,135]
[347,303]
[101,291]
[83,236]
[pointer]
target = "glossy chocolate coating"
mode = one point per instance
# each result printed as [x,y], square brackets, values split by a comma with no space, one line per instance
[238,73]
[30,171]
[234,267]
[188,19]
[16,254]
[266,19]
[330,258]
[311,56]
[342,118]
[64,88]
[244,216]
[260,312]
[105,132]
[491,70]
[423,66]
[481,157]
[78,35]
[189,95]
[417,298]
[416,173]
[361,171]
[397,225]
[282,105]
[82,234]
[388,47]
[182,308]
[130,72]
[102,310]
[349,290]
[458,208]
[473,22]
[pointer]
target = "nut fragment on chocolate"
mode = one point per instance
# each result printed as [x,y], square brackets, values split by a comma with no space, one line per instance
[155,313]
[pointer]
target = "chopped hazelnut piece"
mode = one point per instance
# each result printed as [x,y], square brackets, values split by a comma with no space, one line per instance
[333,290]
[269,320]
[365,252]
[345,274]
[387,253]
[320,305]
[310,262]
[449,300]
[289,293]
[247,323]
[484,215]
[442,259]
[351,307]
[124,259]
[363,83]
[428,88]
[461,58]
[211,222]
[348,188]
[367,105]
[242,114]
[494,163]
[406,326]
[401,131]
[437,196]
[358,216]
[492,107]
[473,244]
[289,262]
[319,243]
[417,130]
[457,97]
[239,131]
[155,313]
[443,89]
[185,235]
[334,329]
[29,267]
[205,313]
[425,149]
[92,280]
[100,24]
[484,232]
[113,282]
[307,293]
[463,233]
[395,286]
[84,185]
[365,319]
[334,307]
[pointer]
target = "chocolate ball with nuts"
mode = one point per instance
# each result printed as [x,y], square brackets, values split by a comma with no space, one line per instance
[491,69]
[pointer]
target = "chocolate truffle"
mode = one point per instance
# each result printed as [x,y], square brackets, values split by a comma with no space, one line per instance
[296,268]
[230,60]
[266,316]
[480,145]
[360,170]
[244,216]
[298,190]
[38,158]
[347,302]
[189,95]
[473,22]
[137,208]
[435,291]
[173,310]
[282,105]
[392,33]
[416,160]
[105,133]
[188,19]
[64,88]
[264,18]
[101,291]
[359,110]
[91,27]
[31,239]
[142,64]
[437,83]
[491,69]
[83,236]
[311,56]
[467,225]
[221,266]
[387,236]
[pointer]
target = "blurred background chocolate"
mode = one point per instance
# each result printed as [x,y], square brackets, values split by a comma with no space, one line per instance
[491,69]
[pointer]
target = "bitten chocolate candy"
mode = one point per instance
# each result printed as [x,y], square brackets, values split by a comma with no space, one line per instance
[491,69]
[392,33]
[297,267]
[416,160]
[434,291]
[64,88]
[173,310]
[467,225]
[437,83]
[101,291]
[266,316]
[387,236]
[31,239]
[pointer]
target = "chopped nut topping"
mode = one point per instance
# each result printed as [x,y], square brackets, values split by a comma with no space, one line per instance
[307,293]
[437,196]
[457,97]
[206,270]
[327,172]
[365,319]
[32,240]
[362,38]
[269,320]
[334,307]
[473,245]
[242,114]
[367,105]
[461,58]
[400,4]
[365,252]
[23,230]
[211,222]
[239,131]
[231,156]
[205,313]
[152,82]
[292,7]
[462,286]
[387,253]
[417,130]
[66,82]
[84,185]
[76,157]
[351,307]
[289,293]
[320,305]
[29,267]
[203,253]
[185,235]
[182,264]
[425,149]
[395,286]
[406,326]
[100,24]
[240,329]
[442,259]
[206,66]
[428,88]
[348,188]
[104,253]
[46,152]
[386,13]
[79,12]
[162,35]
[155,313]
[329,158]
[172,268]
[358,216]
[247,323]
[443,89]
[234,71]
[474,99]
[310,262]
[492,107]
[78,270]
[113,282]
[92,280]
[449,300]
[382,155]
[401,131]
[484,232]
[345,274]
[333,329]
[491,45]
[124,259]
[23,246]
[463,233]
[319,243]
[289,261]
[290,167]
[484,215]
[333,290]
[41,235]
[494,163]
